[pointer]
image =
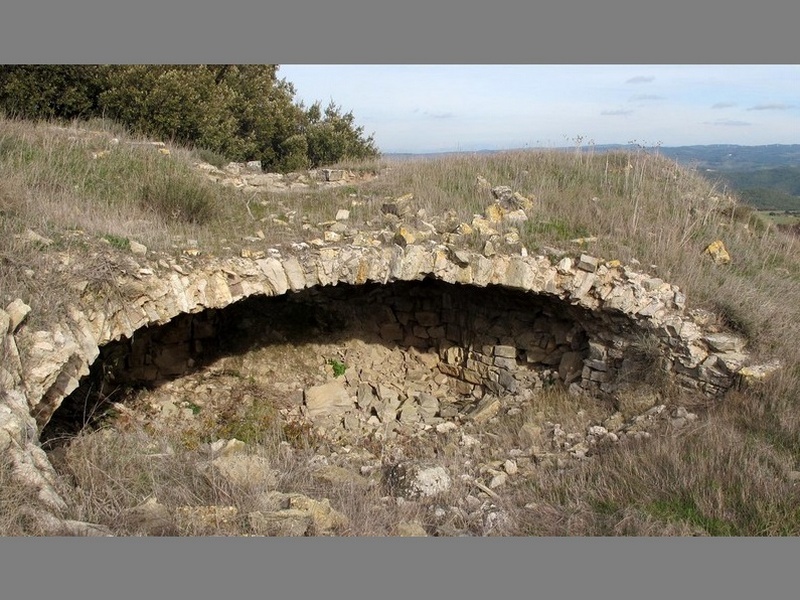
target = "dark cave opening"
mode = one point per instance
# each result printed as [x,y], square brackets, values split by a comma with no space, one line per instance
[484,340]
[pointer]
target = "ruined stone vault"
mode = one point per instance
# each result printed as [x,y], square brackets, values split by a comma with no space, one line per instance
[488,320]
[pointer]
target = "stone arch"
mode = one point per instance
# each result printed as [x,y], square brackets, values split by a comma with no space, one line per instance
[616,303]
[614,295]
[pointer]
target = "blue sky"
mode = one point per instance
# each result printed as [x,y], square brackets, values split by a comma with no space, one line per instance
[439,108]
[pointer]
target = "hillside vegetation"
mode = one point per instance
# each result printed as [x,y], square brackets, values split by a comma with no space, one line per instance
[230,112]
[776,189]
[72,203]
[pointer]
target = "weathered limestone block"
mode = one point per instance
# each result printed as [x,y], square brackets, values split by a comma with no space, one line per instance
[651,309]
[502,193]
[519,274]
[330,398]
[5,322]
[16,312]
[754,374]
[417,262]
[587,263]
[31,468]
[412,480]
[400,207]
[43,360]
[282,523]
[247,472]
[295,275]
[494,213]
[484,227]
[718,253]
[409,412]
[487,408]
[724,342]
[322,267]
[11,371]
[276,276]
[582,283]
[570,367]
[324,517]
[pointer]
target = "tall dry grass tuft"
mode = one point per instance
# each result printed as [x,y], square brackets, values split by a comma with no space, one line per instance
[15,517]
[715,479]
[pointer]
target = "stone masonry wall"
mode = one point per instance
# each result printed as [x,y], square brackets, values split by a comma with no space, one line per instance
[486,340]
[611,303]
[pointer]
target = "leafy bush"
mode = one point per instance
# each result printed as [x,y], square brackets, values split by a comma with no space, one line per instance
[294,153]
[49,91]
[333,136]
[243,112]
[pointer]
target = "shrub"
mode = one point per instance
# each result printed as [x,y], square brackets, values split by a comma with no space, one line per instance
[178,199]
[243,112]
[294,152]
[332,136]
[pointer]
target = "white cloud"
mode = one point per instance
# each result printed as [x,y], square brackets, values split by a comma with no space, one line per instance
[773,106]
[640,79]
[728,123]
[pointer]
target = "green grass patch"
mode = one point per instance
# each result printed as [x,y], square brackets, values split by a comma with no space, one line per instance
[258,421]
[118,242]
[553,229]
[338,367]
[685,510]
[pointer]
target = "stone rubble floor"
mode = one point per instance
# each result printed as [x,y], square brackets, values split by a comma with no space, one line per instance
[488,444]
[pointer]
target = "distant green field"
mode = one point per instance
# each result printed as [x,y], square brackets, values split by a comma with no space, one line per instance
[770,199]
[776,189]
[781,217]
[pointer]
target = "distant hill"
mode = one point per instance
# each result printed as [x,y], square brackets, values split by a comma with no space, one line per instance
[766,177]
[716,157]
[726,157]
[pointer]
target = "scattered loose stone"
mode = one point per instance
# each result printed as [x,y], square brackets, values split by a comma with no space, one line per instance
[409,480]
[410,529]
[718,253]
[137,248]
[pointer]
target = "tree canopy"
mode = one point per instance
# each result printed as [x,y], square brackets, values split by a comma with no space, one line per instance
[243,112]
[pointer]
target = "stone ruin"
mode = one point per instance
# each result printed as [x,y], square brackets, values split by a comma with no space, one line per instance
[470,327]
[250,178]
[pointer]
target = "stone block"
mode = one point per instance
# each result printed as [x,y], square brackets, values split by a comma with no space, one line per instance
[392,332]
[587,263]
[505,363]
[282,523]
[427,318]
[505,351]
[328,399]
[570,367]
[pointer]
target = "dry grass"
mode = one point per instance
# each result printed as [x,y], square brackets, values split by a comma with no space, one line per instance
[726,477]
[14,517]
[715,480]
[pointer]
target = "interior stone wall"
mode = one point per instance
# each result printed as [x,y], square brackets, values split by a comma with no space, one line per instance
[486,340]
